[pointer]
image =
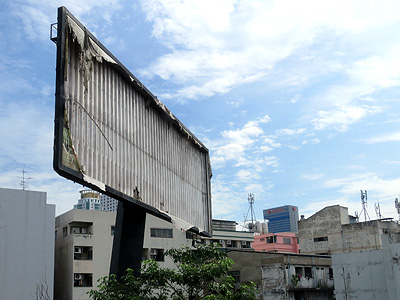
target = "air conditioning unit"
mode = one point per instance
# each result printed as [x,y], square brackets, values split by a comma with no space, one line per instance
[229,242]
[153,252]
[78,276]
[221,242]
[78,250]
[244,243]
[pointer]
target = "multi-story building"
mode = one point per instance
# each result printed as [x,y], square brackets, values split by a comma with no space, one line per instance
[108,203]
[89,200]
[226,235]
[284,276]
[369,274]
[330,231]
[84,246]
[284,242]
[26,245]
[282,219]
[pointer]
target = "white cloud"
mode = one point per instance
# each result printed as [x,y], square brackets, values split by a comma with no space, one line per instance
[342,116]
[312,176]
[236,142]
[222,44]
[290,131]
[37,15]
[383,138]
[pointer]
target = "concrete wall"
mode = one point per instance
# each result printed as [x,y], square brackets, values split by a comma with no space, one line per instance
[26,244]
[99,237]
[327,222]
[368,275]
[101,240]
[272,273]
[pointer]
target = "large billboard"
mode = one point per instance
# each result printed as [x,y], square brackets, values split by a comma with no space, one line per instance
[113,135]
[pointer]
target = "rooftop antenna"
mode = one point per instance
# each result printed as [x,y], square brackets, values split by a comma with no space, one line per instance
[356,215]
[378,210]
[250,225]
[23,182]
[397,205]
[364,199]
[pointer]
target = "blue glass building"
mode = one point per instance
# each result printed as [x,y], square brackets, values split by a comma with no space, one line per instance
[282,219]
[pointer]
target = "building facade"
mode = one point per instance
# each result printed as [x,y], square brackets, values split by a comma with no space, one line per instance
[284,242]
[282,219]
[226,235]
[280,276]
[330,231]
[89,200]
[84,248]
[108,203]
[26,244]
[369,274]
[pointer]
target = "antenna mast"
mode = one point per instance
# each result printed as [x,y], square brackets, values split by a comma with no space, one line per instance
[397,205]
[23,182]
[364,205]
[251,225]
[378,210]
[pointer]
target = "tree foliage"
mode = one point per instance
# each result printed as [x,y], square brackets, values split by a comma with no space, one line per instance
[201,273]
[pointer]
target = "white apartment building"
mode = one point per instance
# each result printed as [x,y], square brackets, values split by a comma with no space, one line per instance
[83,248]
[89,200]
[26,244]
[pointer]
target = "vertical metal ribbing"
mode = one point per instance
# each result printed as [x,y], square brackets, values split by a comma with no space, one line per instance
[146,152]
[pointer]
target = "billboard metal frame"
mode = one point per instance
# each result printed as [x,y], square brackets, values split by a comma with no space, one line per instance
[78,177]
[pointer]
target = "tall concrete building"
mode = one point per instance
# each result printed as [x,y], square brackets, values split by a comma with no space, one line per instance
[84,246]
[89,200]
[282,218]
[330,231]
[26,244]
[108,203]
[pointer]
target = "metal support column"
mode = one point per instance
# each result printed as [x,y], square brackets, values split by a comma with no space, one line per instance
[128,239]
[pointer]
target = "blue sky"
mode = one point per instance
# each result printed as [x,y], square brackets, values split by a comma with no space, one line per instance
[297,101]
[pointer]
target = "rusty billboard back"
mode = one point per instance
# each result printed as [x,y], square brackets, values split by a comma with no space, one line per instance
[115,136]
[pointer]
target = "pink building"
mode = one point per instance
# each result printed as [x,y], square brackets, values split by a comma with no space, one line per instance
[276,242]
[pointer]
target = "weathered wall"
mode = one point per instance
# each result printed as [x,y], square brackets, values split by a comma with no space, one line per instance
[274,282]
[367,274]
[326,222]
[26,243]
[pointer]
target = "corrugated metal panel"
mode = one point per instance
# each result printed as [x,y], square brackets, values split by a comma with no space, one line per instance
[128,141]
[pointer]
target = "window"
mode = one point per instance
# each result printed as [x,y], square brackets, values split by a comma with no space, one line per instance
[55,235]
[262,240]
[246,244]
[331,273]
[321,239]
[83,280]
[157,254]
[287,241]
[235,275]
[112,230]
[161,233]
[270,240]
[83,253]
[231,244]
[299,271]
[307,272]
[65,231]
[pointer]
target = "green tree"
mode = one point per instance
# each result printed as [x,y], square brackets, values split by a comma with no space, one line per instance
[201,273]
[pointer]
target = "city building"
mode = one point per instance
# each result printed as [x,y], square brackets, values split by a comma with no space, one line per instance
[226,235]
[369,274]
[284,242]
[84,247]
[89,200]
[329,231]
[284,276]
[107,203]
[282,219]
[26,245]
